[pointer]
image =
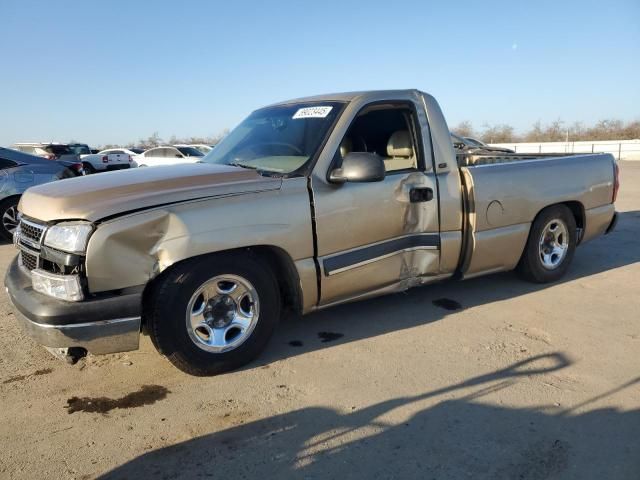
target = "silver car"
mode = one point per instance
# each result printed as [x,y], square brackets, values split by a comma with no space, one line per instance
[19,171]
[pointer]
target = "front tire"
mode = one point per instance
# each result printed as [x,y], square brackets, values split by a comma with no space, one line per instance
[214,314]
[9,217]
[88,168]
[550,247]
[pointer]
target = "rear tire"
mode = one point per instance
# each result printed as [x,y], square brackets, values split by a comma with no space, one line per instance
[550,247]
[202,288]
[88,168]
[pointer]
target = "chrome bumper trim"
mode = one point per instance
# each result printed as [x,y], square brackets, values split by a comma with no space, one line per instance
[106,336]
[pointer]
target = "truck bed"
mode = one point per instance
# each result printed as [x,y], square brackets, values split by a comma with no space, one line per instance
[503,193]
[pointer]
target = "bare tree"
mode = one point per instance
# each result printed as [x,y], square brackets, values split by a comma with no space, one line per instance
[498,134]
[464,129]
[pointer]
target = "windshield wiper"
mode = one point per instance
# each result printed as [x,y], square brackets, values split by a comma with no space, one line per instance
[243,165]
[259,171]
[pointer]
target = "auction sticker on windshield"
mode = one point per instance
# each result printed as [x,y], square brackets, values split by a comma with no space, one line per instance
[312,112]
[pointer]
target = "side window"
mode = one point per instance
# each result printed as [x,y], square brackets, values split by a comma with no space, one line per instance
[6,163]
[387,131]
[154,152]
[173,153]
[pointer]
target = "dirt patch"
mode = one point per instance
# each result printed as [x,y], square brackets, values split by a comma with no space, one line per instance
[329,336]
[19,378]
[147,395]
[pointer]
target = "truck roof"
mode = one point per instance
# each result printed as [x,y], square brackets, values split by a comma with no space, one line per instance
[350,96]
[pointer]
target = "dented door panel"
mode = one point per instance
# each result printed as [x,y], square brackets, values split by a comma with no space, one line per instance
[371,235]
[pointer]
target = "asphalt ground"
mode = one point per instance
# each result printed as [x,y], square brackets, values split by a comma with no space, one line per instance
[487,378]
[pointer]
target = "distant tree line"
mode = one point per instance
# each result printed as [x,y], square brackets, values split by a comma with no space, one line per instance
[557,131]
[155,140]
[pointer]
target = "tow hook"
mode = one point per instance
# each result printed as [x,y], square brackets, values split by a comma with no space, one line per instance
[70,355]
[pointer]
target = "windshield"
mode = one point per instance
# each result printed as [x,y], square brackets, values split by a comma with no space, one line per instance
[80,149]
[190,152]
[278,139]
[59,150]
[473,142]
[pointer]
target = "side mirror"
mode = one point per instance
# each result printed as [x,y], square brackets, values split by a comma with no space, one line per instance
[178,155]
[359,167]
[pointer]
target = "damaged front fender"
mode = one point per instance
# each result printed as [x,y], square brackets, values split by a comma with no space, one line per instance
[129,251]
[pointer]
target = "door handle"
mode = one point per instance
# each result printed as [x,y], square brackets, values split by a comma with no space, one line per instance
[420,194]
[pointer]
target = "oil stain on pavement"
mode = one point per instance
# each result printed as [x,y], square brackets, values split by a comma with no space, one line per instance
[19,378]
[329,336]
[447,304]
[147,395]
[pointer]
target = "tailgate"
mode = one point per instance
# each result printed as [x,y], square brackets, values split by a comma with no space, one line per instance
[118,158]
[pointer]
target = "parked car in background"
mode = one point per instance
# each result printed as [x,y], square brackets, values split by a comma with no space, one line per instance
[133,151]
[80,149]
[467,146]
[474,142]
[169,155]
[50,151]
[198,146]
[19,171]
[108,160]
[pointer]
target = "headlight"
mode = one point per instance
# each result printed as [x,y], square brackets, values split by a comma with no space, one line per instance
[64,287]
[69,236]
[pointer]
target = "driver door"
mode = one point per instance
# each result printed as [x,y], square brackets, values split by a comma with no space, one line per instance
[379,235]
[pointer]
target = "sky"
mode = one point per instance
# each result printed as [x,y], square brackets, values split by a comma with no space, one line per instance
[112,72]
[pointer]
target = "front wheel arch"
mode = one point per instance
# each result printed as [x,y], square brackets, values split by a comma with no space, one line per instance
[275,258]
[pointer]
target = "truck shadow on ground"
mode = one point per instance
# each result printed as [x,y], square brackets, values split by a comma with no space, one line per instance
[429,435]
[430,303]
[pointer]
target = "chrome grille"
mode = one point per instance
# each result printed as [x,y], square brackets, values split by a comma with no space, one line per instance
[31,231]
[28,239]
[28,260]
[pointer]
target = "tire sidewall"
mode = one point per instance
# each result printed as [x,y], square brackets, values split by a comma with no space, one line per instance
[170,330]
[4,206]
[537,270]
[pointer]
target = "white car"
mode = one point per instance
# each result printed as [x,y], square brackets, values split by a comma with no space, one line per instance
[169,155]
[198,146]
[107,160]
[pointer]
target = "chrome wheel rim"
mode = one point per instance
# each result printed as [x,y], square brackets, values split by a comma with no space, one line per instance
[222,313]
[554,244]
[10,219]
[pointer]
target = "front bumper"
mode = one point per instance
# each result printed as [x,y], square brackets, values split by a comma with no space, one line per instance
[106,324]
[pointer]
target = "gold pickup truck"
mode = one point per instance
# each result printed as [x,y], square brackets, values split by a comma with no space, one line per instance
[306,204]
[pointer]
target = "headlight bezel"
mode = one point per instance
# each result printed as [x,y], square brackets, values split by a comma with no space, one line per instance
[70,237]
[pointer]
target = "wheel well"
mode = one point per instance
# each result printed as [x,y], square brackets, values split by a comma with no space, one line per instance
[577,209]
[276,259]
[10,197]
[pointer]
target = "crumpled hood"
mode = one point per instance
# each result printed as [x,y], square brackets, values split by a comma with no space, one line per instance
[105,194]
